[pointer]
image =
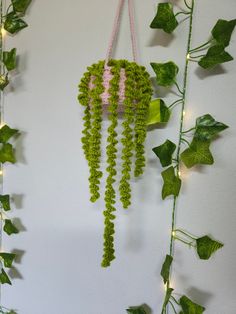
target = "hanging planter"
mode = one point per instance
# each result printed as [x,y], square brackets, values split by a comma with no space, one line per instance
[115,86]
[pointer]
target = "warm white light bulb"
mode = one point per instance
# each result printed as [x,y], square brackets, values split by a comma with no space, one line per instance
[173,234]
[3,31]
[184,113]
[179,173]
[188,56]
[1,172]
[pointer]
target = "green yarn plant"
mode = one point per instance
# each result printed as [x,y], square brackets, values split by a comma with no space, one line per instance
[137,95]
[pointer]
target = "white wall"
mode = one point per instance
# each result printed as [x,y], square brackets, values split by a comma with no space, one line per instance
[59,272]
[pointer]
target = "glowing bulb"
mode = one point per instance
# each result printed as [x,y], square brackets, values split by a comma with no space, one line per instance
[173,234]
[1,172]
[179,173]
[184,113]
[165,287]
[188,56]
[3,31]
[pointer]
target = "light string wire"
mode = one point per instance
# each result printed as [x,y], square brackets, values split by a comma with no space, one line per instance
[165,308]
[1,122]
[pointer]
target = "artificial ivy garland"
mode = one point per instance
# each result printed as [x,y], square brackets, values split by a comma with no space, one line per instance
[11,21]
[137,95]
[197,152]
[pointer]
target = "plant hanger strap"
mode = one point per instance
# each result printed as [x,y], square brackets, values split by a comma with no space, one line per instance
[116,29]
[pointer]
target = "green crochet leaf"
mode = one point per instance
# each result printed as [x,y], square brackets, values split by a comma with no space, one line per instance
[164,152]
[215,55]
[165,271]
[158,112]
[223,30]
[9,59]
[6,133]
[4,81]
[197,153]
[5,202]
[165,18]
[8,259]
[189,307]
[206,247]
[9,227]
[136,310]
[20,5]
[7,154]
[207,127]
[172,183]
[165,73]
[13,23]
[4,277]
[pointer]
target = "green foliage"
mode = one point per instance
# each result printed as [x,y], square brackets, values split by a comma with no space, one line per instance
[206,247]
[20,5]
[5,202]
[111,151]
[4,279]
[165,18]
[143,94]
[165,73]
[8,259]
[4,81]
[222,31]
[197,153]
[7,154]
[9,59]
[207,127]
[165,270]
[164,152]
[172,183]
[136,310]
[13,23]
[189,307]
[215,55]
[9,227]
[158,112]
[6,133]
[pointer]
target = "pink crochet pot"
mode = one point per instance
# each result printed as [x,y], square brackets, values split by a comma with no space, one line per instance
[107,77]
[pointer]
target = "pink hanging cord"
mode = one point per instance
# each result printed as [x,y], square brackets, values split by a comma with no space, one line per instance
[116,28]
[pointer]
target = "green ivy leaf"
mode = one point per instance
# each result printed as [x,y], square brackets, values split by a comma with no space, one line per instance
[165,270]
[189,306]
[165,73]
[9,59]
[207,127]
[6,133]
[215,55]
[7,154]
[172,183]
[13,23]
[11,312]
[8,259]
[20,5]
[222,31]
[4,277]
[136,310]
[9,227]
[164,152]
[206,247]
[167,297]
[5,202]
[4,81]
[158,112]
[197,153]
[165,18]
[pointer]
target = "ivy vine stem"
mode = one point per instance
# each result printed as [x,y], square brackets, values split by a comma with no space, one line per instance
[172,237]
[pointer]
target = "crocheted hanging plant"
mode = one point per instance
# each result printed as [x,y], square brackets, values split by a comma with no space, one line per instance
[119,85]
